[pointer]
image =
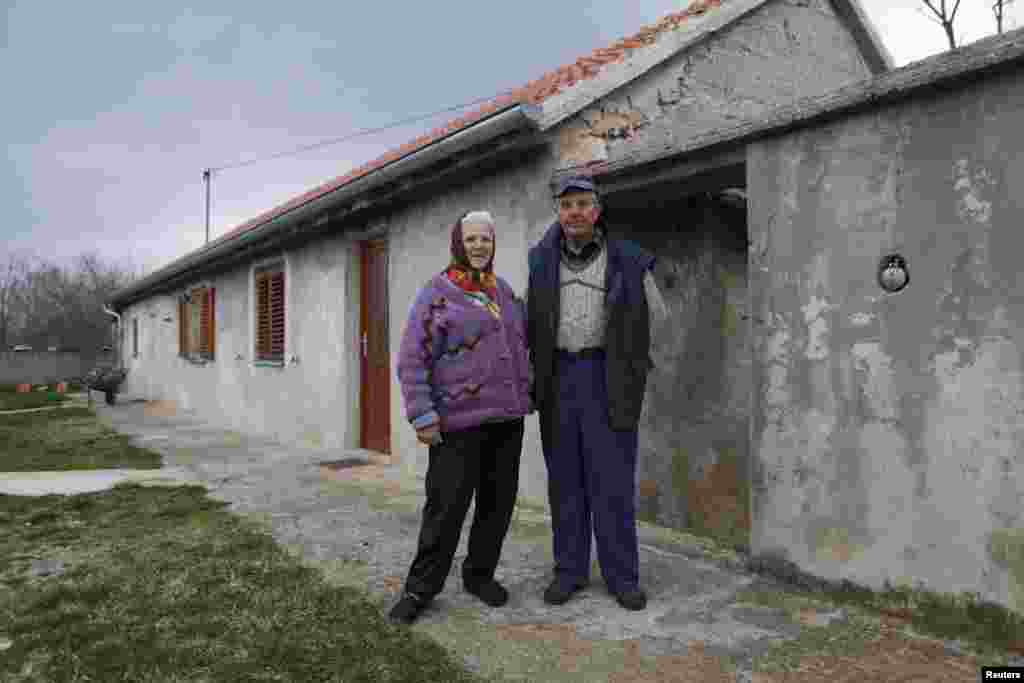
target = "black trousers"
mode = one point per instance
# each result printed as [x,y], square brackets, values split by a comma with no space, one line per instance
[483,461]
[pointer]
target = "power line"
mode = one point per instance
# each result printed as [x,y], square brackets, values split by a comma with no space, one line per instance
[356,134]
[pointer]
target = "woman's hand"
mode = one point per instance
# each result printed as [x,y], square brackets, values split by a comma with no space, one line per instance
[429,435]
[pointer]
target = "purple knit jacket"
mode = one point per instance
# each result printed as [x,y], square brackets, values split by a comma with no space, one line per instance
[458,365]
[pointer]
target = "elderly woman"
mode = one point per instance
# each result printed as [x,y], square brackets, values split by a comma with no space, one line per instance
[464,371]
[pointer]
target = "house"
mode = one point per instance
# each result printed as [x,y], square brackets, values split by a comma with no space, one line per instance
[782,172]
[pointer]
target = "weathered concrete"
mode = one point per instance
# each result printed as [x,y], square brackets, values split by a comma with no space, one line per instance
[708,619]
[777,54]
[887,427]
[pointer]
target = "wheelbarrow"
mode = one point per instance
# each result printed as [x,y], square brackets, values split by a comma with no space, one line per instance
[107,380]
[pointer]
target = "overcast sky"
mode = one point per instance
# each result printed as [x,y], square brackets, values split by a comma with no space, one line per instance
[113,109]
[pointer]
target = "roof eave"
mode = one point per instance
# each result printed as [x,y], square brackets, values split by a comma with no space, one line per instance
[865,34]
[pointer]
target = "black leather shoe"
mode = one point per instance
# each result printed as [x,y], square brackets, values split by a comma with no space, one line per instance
[491,592]
[634,599]
[559,592]
[407,609]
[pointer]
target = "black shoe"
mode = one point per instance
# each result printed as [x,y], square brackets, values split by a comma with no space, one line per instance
[634,599]
[407,609]
[559,592]
[491,592]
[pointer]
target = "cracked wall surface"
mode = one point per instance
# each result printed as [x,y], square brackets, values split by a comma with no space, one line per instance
[889,428]
[781,52]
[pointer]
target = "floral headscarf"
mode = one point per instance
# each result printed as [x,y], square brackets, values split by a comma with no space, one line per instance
[480,285]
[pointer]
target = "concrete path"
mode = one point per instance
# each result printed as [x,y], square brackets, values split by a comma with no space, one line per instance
[82,481]
[359,524]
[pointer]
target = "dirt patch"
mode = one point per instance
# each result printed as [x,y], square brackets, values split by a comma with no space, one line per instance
[368,473]
[160,408]
[633,667]
[892,657]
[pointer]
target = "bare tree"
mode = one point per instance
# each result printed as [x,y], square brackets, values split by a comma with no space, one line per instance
[11,276]
[998,8]
[58,306]
[945,16]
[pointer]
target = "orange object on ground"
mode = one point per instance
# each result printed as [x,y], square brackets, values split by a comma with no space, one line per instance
[61,387]
[24,388]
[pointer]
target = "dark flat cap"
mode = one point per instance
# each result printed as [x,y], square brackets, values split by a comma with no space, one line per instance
[579,183]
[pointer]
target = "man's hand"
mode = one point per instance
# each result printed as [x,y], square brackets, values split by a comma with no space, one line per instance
[429,435]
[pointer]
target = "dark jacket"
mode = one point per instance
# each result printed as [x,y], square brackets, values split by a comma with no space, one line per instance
[459,366]
[627,332]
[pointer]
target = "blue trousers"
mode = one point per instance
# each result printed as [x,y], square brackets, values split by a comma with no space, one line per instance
[591,477]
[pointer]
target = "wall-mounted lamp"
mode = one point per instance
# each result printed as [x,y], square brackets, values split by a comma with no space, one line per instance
[893,275]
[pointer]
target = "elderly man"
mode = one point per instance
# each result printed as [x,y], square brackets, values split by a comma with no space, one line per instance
[590,303]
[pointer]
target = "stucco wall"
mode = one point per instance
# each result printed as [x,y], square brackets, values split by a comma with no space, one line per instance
[781,52]
[888,433]
[312,400]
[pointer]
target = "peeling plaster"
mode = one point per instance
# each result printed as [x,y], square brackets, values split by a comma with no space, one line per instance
[817,328]
[876,380]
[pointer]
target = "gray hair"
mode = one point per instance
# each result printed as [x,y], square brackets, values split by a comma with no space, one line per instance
[478,217]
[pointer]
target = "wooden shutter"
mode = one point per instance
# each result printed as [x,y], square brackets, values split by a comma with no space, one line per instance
[270,318]
[277,315]
[206,322]
[262,316]
[182,328]
[212,334]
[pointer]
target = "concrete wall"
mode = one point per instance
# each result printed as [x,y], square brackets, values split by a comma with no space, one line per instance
[781,52]
[43,367]
[888,432]
[312,400]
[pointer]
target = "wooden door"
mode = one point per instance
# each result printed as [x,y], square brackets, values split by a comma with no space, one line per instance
[375,357]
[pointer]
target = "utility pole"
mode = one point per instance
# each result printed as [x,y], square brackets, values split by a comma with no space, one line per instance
[206,179]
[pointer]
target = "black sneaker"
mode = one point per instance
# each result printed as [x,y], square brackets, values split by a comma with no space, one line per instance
[634,599]
[407,609]
[559,592]
[491,592]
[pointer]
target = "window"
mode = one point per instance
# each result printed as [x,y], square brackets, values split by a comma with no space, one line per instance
[197,324]
[270,313]
[135,337]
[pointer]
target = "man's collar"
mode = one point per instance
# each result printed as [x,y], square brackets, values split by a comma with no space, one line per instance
[597,238]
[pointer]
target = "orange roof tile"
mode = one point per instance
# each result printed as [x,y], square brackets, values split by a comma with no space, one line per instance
[534,92]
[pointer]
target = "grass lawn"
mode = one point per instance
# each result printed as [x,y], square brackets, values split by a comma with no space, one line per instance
[69,439]
[162,584]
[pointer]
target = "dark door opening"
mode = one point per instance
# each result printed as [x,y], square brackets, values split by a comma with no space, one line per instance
[694,463]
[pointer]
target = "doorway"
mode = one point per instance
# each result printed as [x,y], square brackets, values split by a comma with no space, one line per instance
[694,461]
[374,354]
